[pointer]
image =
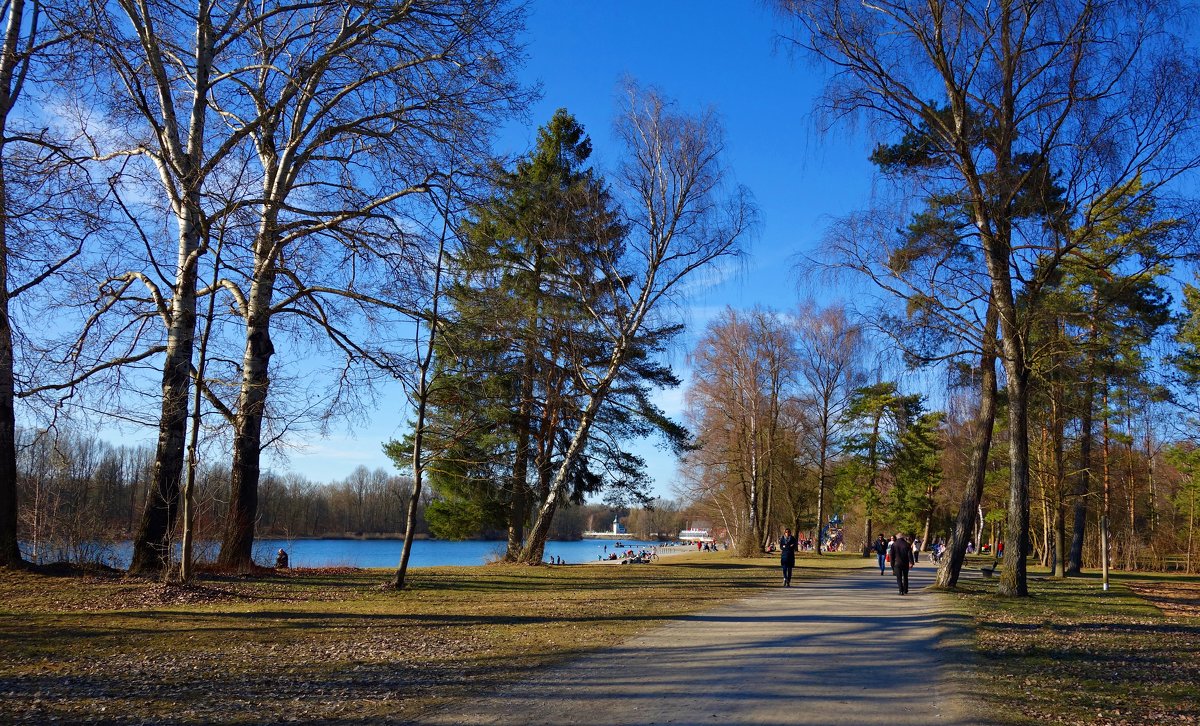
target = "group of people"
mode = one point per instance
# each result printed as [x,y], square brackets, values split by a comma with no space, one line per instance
[900,552]
[629,556]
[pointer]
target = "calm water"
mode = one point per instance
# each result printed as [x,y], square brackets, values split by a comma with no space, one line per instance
[386,553]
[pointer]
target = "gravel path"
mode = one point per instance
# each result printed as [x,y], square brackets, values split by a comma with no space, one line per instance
[840,650]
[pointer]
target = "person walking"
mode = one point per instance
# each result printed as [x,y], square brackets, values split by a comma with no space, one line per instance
[787,555]
[880,548]
[902,560]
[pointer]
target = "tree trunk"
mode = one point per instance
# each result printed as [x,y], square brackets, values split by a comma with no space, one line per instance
[535,544]
[873,483]
[1013,580]
[10,551]
[238,543]
[519,503]
[1082,481]
[997,245]
[152,543]
[1131,539]
[985,420]
[184,150]
[1059,528]
[756,528]
[410,519]
[186,570]
[14,61]
[821,487]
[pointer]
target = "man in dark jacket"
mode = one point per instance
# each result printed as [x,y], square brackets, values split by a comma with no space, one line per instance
[902,560]
[787,555]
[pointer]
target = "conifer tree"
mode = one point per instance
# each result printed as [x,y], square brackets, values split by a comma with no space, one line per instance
[517,338]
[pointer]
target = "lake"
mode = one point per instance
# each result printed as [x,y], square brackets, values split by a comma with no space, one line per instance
[386,553]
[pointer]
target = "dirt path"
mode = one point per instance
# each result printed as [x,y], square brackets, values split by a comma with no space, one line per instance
[842,650]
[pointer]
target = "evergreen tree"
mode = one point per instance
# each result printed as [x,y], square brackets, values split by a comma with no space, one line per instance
[518,337]
[879,415]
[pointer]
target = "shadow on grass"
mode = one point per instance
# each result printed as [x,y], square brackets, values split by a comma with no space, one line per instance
[309,691]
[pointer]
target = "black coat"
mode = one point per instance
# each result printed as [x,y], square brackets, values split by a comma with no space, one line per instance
[787,549]
[902,554]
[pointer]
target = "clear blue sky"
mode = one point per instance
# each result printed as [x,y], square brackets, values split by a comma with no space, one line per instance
[701,53]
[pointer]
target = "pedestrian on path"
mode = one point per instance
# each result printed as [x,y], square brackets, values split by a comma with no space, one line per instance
[787,555]
[902,560]
[880,548]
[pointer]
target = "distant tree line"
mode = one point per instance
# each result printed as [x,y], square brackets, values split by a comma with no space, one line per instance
[80,495]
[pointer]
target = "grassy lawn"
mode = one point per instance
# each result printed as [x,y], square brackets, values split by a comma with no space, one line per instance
[1074,654]
[334,645]
[329,645]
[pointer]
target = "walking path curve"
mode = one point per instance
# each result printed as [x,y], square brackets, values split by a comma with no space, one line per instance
[847,649]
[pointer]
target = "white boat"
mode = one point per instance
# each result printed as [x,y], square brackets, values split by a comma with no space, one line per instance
[696,535]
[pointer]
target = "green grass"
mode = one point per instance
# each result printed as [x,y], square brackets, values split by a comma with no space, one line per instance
[315,646]
[1072,653]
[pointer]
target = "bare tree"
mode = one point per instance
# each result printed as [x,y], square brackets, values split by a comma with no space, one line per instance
[353,110]
[20,40]
[156,64]
[48,209]
[829,349]
[680,221]
[745,368]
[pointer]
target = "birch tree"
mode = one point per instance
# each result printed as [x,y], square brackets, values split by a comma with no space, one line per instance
[354,112]
[155,67]
[829,348]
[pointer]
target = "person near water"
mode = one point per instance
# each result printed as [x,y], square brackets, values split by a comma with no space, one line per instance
[902,561]
[880,548]
[787,555]
[281,560]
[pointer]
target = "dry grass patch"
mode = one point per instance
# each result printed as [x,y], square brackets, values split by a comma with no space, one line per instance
[326,645]
[1178,599]
[1074,654]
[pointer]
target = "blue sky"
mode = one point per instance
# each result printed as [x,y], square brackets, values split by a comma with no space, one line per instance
[701,53]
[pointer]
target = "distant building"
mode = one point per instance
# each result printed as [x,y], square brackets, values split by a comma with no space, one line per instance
[617,531]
